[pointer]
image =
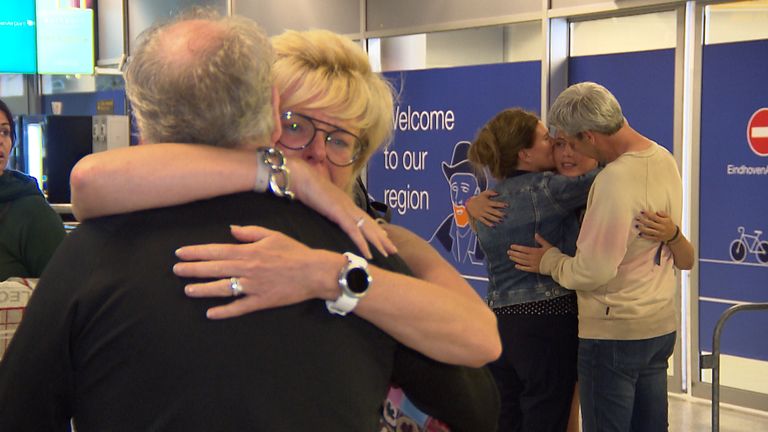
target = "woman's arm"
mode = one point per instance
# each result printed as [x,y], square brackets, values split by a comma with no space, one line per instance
[682,252]
[161,175]
[470,325]
[570,192]
[443,318]
[157,175]
[658,226]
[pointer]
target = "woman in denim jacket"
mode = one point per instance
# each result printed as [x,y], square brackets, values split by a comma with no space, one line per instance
[537,318]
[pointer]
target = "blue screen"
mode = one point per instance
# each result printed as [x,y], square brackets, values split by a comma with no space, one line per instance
[17,31]
[64,38]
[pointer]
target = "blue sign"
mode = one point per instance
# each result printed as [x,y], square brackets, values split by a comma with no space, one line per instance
[17,31]
[733,228]
[424,175]
[644,84]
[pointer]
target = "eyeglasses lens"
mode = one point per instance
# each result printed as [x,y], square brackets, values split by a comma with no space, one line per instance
[342,148]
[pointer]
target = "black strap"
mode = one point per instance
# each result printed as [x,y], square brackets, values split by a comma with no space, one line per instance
[374,208]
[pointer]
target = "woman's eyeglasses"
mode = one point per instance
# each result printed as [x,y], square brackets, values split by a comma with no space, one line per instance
[342,147]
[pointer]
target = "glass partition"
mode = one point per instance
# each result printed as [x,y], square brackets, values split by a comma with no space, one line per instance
[484,45]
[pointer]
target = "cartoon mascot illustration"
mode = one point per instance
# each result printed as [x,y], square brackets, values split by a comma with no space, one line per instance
[455,234]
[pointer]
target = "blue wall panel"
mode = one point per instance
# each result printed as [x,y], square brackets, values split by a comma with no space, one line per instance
[644,84]
[438,113]
[733,185]
[743,334]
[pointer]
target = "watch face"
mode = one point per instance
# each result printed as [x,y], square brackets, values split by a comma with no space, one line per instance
[357,280]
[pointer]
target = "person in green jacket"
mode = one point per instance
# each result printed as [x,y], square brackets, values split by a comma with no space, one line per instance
[30,231]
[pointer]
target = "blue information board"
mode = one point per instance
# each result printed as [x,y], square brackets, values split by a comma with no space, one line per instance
[733,228]
[644,84]
[17,31]
[424,176]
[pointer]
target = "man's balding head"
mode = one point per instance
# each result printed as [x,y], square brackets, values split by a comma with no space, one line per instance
[202,78]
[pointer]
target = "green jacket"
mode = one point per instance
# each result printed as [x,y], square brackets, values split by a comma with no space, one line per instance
[30,231]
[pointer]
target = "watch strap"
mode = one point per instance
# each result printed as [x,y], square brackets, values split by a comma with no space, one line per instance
[347,301]
[342,305]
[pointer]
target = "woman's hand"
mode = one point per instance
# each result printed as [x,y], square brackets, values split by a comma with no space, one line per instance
[273,270]
[486,210]
[528,258]
[656,226]
[330,201]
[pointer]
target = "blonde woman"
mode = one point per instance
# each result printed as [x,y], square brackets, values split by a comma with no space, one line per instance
[335,113]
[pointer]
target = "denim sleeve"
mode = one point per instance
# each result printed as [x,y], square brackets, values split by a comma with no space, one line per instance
[570,193]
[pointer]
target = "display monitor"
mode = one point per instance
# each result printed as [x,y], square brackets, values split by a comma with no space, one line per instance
[17,31]
[64,37]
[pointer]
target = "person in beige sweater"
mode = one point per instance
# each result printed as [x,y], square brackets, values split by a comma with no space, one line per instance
[623,269]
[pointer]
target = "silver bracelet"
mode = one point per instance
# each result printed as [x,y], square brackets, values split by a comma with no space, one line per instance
[277,175]
[262,173]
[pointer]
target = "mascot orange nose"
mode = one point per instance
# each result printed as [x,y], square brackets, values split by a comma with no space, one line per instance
[461,215]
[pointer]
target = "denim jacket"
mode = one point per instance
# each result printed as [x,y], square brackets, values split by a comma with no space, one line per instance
[544,203]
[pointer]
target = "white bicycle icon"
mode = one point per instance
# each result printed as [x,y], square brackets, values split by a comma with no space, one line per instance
[747,243]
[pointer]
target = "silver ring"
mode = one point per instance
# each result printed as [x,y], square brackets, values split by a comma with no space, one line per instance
[235,287]
[360,222]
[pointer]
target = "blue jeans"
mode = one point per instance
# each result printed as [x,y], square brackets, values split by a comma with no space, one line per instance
[623,384]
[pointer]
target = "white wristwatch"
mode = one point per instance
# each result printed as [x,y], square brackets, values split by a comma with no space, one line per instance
[354,281]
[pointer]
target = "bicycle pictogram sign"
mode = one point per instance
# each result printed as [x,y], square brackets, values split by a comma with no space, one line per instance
[748,243]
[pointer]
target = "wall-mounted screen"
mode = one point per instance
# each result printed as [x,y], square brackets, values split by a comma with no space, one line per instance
[17,31]
[64,37]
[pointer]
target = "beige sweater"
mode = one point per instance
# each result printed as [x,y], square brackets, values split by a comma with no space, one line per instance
[623,293]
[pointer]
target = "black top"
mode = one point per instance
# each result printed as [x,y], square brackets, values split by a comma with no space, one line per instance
[30,231]
[110,339]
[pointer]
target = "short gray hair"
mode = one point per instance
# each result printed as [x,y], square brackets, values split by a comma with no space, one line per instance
[214,87]
[586,106]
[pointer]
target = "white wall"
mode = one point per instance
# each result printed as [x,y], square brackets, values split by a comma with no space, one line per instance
[624,34]
[111,31]
[483,45]
[736,22]
[465,47]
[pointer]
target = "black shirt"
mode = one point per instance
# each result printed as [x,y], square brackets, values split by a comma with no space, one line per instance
[110,339]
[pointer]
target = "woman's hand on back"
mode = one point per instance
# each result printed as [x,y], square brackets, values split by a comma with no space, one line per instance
[273,270]
[330,201]
[483,208]
[655,226]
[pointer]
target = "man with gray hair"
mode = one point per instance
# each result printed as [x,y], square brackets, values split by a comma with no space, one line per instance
[223,63]
[624,277]
[109,338]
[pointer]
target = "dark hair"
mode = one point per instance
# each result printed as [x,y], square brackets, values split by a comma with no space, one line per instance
[7,111]
[498,143]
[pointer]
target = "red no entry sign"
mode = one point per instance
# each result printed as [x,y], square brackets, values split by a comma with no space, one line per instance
[757,132]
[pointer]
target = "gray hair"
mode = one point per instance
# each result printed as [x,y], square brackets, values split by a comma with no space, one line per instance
[586,106]
[206,82]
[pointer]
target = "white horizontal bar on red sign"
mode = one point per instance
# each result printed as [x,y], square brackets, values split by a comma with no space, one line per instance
[760,132]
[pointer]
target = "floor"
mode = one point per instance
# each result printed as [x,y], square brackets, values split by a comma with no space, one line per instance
[686,415]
